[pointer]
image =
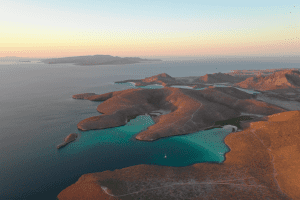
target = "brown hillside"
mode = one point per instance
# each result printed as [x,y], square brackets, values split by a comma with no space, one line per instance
[219,78]
[278,80]
[188,110]
[161,79]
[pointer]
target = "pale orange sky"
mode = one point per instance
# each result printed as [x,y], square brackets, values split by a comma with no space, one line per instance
[53,30]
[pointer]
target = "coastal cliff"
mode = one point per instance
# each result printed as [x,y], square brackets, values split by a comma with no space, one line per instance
[262,164]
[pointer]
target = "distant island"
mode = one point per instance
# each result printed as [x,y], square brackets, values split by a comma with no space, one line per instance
[97,60]
[18,59]
[263,161]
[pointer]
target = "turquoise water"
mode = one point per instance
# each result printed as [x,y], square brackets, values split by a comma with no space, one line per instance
[150,87]
[202,146]
[182,86]
[249,91]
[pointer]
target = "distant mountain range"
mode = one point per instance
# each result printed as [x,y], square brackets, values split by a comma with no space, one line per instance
[97,60]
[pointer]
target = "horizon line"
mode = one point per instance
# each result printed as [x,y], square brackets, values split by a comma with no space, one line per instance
[176,57]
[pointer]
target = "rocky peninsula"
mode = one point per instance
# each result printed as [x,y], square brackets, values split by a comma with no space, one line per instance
[264,154]
[189,110]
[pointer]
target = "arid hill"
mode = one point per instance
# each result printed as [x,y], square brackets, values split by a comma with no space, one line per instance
[220,78]
[263,163]
[278,80]
[167,80]
[188,110]
[161,79]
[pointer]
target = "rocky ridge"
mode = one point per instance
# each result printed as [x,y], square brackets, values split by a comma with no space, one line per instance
[190,110]
[284,79]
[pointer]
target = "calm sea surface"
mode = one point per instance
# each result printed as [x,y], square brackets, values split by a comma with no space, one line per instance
[37,112]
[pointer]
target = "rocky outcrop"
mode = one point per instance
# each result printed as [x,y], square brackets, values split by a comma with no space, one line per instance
[70,138]
[284,79]
[83,96]
[189,110]
[231,128]
[263,163]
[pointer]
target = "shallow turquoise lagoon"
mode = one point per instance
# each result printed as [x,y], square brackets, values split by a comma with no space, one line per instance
[202,146]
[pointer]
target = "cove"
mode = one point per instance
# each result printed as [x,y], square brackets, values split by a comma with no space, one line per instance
[116,148]
[118,145]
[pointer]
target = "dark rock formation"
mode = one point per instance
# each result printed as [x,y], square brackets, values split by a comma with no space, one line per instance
[70,138]
[263,163]
[190,110]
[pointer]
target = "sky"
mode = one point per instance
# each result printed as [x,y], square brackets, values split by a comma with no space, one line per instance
[146,28]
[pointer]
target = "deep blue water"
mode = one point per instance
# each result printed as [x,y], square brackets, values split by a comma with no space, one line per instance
[37,112]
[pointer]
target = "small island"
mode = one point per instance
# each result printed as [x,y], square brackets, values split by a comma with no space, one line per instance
[70,138]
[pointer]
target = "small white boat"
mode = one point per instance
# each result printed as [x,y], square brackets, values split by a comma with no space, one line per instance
[165,156]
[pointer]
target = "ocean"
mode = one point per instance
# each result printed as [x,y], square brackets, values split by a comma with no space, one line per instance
[37,113]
